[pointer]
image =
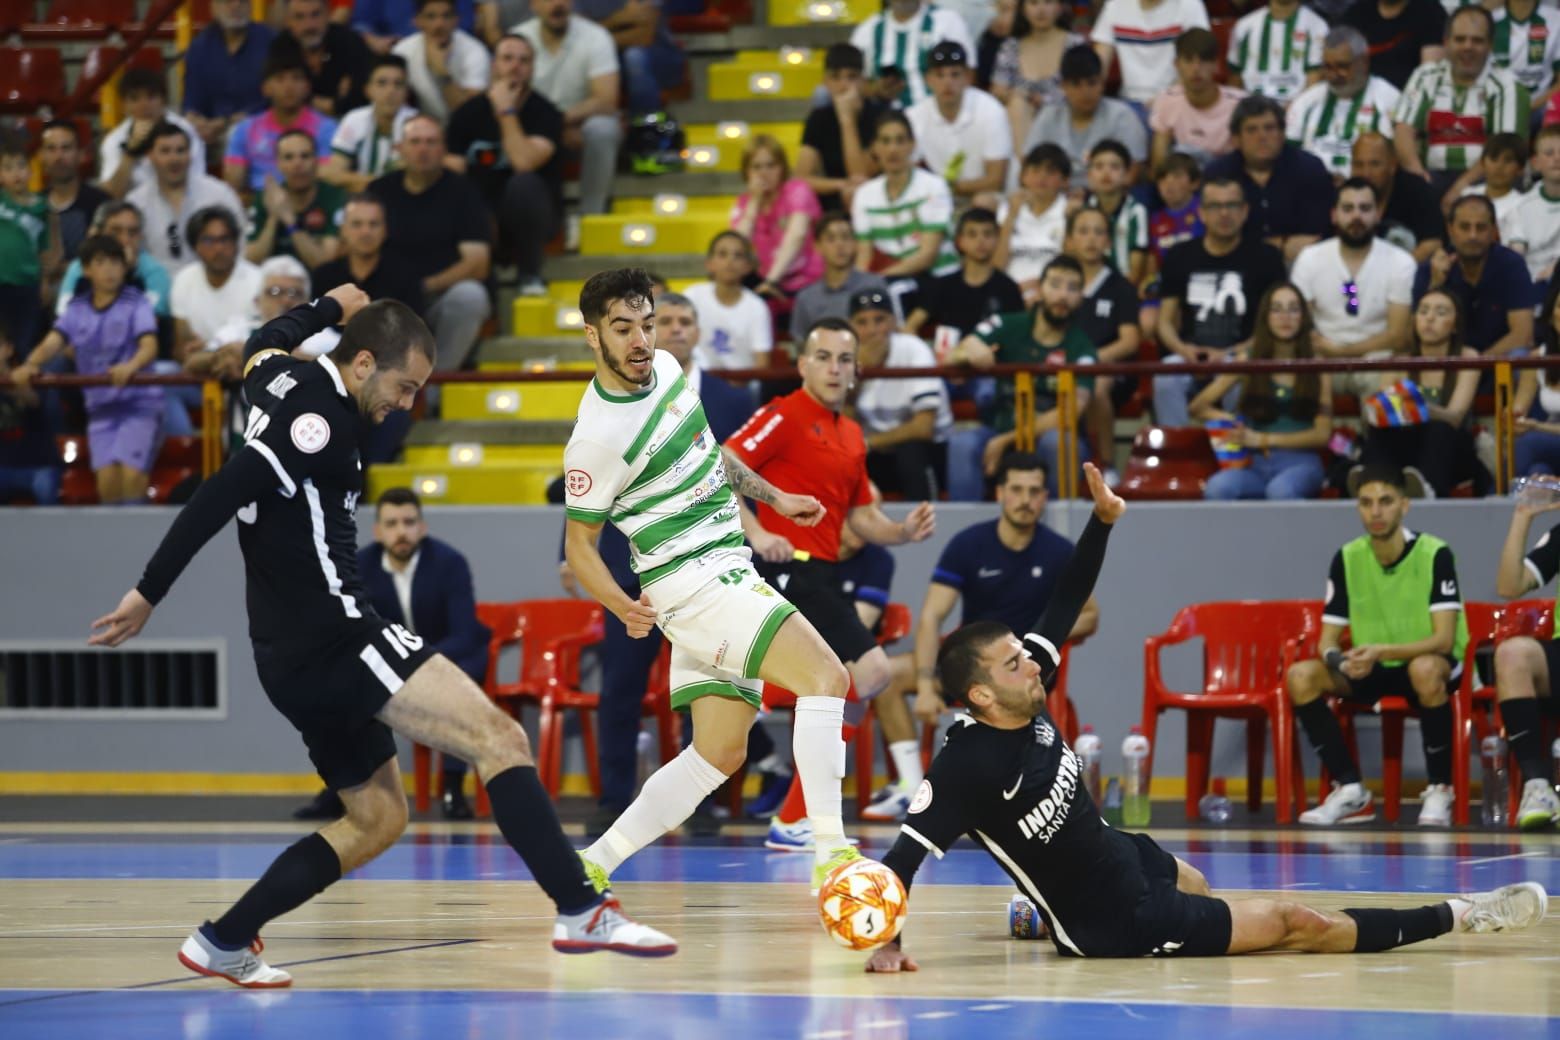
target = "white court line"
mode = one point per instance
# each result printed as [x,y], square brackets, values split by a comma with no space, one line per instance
[1132,1014]
[1531,853]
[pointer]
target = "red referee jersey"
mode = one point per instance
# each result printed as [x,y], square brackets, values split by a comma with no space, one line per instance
[801,447]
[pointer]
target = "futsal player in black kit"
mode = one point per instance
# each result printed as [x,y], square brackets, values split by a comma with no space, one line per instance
[343,676]
[1008,779]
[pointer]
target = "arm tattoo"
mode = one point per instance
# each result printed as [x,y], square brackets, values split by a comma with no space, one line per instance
[747,483]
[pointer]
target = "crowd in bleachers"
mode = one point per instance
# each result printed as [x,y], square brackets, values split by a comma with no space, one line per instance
[1341,180]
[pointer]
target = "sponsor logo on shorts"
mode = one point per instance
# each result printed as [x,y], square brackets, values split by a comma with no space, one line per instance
[577,482]
[720,652]
[923,798]
[310,433]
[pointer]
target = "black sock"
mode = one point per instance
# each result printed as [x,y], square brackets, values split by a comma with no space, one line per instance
[1326,736]
[526,818]
[1388,929]
[1435,726]
[304,870]
[1525,731]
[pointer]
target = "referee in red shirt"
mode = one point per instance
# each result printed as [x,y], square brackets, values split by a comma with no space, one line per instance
[804,442]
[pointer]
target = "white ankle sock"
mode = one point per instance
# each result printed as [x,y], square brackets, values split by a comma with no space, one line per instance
[907,760]
[1459,907]
[820,762]
[667,799]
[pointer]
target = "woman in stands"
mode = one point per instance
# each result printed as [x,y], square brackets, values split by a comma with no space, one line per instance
[1027,76]
[1282,420]
[902,215]
[776,214]
[1538,428]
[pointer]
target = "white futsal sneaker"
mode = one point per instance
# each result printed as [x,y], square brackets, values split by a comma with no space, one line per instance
[1507,909]
[1348,803]
[1540,807]
[606,927]
[241,967]
[889,805]
[1435,806]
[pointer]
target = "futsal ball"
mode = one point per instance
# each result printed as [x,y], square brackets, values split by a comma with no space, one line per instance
[862,905]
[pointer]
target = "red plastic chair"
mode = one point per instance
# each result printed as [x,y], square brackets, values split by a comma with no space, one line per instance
[80,19]
[1244,661]
[16,13]
[99,57]
[30,77]
[1169,463]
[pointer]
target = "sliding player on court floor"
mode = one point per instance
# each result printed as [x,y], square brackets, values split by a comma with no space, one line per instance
[642,456]
[1008,779]
[344,677]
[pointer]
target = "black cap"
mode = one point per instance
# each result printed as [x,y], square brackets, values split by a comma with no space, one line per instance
[948,52]
[870,300]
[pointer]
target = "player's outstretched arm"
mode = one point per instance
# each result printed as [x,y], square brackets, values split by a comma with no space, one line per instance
[904,859]
[803,510]
[590,570]
[1076,584]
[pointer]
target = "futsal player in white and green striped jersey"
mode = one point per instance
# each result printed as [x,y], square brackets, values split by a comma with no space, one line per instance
[1276,51]
[642,456]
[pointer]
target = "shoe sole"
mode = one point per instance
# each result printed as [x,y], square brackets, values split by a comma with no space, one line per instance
[776,846]
[199,970]
[1535,822]
[1341,821]
[573,946]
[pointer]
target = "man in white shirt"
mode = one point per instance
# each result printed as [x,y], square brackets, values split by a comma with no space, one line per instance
[174,194]
[961,131]
[444,64]
[122,157]
[1359,287]
[1145,32]
[207,295]
[1329,116]
[902,35]
[577,70]
[905,421]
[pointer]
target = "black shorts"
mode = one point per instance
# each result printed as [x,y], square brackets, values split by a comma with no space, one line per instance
[814,589]
[332,693]
[1167,922]
[1382,681]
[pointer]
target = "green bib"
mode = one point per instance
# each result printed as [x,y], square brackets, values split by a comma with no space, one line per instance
[1392,606]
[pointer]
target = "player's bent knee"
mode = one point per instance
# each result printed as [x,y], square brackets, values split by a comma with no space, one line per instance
[1515,666]
[833,680]
[1428,674]
[1303,924]
[505,745]
[1305,681]
[725,755]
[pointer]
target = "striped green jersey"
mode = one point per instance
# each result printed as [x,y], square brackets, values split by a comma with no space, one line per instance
[648,463]
[1529,47]
[1452,121]
[1128,231]
[1327,125]
[1273,55]
[894,225]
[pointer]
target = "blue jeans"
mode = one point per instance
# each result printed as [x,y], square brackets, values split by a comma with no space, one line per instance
[1277,475]
[966,478]
[40,482]
[1538,452]
[1173,393]
[649,70]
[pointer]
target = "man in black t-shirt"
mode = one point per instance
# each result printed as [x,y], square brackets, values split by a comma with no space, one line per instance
[833,159]
[343,676]
[336,56]
[1209,292]
[970,295]
[363,261]
[1402,34]
[507,141]
[1008,780]
[1410,211]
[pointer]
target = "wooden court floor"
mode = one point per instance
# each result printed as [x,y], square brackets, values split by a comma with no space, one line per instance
[443,936]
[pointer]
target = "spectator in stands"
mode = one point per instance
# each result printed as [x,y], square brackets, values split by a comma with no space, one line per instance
[1327,117]
[1529,47]
[295,214]
[383,22]
[110,331]
[1108,316]
[1027,76]
[363,147]
[1110,167]
[223,69]
[1148,29]
[284,284]
[29,456]
[175,193]
[1208,295]
[830,295]
[650,58]
[1276,51]
[1177,179]
[1396,592]
[1370,317]
[29,245]
[902,35]
[901,216]
[206,295]
[1288,190]
[1086,117]
[334,59]
[962,300]
[1192,115]
[122,157]
[1036,219]
[1502,166]
[445,65]
[990,40]
[1534,228]
[1490,280]
[251,148]
[439,230]
[776,214]
[120,220]
[363,260]
[1464,91]
[577,70]
[735,326]
[1281,420]
[1401,34]
[905,421]
[507,141]
[1410,212]
[835,157]
[1537,406]
[73,201]
[962,131]
[1044,333]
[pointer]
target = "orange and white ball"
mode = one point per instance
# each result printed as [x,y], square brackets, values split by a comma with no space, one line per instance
[862,905]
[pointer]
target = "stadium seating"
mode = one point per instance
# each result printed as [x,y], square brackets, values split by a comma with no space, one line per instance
[30,78]
[80,20]
[1170,464]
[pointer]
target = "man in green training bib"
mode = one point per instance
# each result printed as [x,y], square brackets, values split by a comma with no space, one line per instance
[1396,592]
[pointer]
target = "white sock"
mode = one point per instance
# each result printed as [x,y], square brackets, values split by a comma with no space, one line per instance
[907,760]
[1459,907]
[820,762]
[668,798]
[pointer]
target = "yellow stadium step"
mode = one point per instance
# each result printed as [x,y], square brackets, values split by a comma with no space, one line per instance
[672,204]
[625,238]
[431,457]
[496,484]
[788,57]
[719,146]
[558,313]
[822,12]
[543,366]
[740,81]
[518,401]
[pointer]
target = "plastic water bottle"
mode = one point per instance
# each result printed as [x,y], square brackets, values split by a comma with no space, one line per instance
[1023,917]
[1134,804]
[1554,755]
[1111,810]
[1215,807]
[1088,750]
[1493,752]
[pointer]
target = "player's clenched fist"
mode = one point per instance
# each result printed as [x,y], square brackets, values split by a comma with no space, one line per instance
[351,298]
[638,617]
